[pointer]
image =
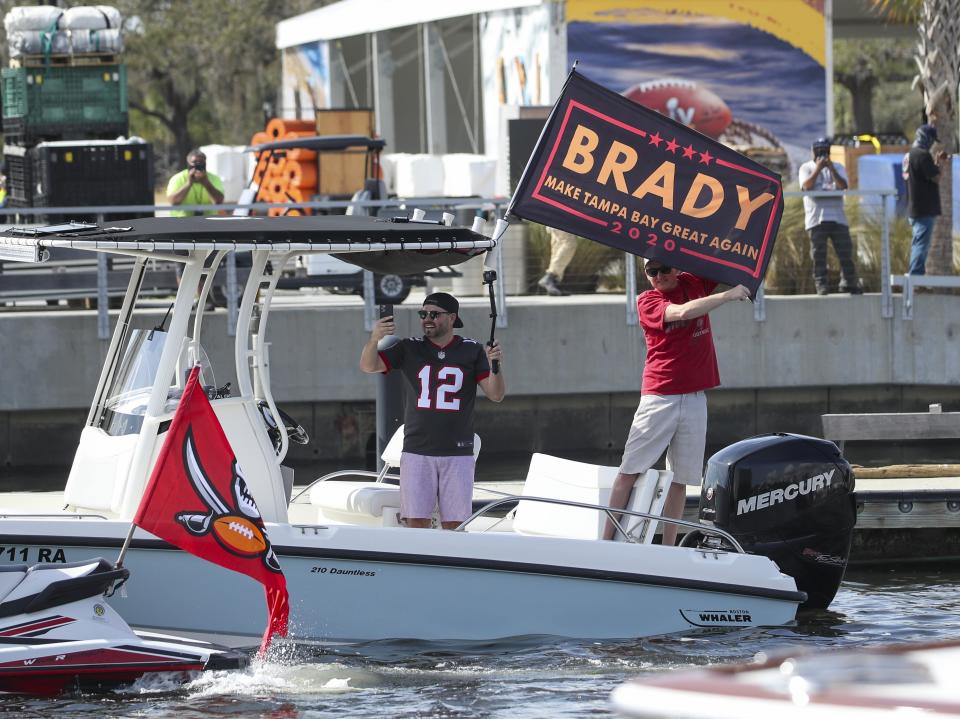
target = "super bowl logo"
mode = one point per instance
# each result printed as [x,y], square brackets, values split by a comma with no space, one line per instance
[236,525]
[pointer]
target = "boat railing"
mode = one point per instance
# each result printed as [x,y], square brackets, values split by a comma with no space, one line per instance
[609,511]
[62,515]
[380,477]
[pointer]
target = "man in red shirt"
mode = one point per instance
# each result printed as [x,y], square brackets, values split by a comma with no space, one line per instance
[681,363]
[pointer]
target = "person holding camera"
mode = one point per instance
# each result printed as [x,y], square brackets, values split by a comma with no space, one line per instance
[825,219]
[442,372]
[194,186]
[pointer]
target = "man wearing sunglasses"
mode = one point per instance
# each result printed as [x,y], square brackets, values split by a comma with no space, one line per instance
[681,364]
[442,372]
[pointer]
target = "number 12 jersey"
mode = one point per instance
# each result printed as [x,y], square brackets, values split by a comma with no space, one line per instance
[441,390]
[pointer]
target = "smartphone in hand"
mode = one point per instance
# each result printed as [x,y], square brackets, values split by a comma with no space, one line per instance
[386,311]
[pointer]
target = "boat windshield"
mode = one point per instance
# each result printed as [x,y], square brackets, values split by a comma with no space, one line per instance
[128,396]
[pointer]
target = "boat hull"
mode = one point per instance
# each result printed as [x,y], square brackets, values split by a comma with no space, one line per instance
[351,584]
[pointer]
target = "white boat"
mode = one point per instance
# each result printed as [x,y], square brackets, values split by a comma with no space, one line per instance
[909,679]
[353,573]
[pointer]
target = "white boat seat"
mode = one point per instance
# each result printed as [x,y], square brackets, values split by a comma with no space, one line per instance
[352,498]
[557,478]
[368,503]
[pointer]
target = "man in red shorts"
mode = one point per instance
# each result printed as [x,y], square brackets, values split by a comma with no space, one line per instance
[442,371]
[681,363]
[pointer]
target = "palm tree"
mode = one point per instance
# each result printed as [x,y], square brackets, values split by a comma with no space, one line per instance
[938,62]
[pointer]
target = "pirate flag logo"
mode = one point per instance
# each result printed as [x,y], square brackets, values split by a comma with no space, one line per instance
[238,529]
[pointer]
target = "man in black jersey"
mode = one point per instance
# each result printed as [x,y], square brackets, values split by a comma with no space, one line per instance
[442,372]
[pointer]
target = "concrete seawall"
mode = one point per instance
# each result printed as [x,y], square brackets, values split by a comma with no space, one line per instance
[572,367]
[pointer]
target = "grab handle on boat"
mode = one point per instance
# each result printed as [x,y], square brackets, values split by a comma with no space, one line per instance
[609,511]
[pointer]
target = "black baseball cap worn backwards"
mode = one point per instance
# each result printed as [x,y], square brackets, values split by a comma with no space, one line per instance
[447,302]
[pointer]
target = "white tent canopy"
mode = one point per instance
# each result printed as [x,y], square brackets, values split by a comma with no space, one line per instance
[356,17]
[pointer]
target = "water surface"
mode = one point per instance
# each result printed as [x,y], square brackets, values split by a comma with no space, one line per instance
[526,677]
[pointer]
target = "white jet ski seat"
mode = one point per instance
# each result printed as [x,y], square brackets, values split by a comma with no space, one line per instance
[557,478]
[373,504]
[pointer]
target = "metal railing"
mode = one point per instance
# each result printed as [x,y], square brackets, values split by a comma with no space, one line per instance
[494,206]
[609,511]
[887,280]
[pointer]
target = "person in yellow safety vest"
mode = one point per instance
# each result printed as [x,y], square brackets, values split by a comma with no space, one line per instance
[195,186]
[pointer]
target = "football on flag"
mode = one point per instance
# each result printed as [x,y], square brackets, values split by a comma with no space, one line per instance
[686,102]
[239,534]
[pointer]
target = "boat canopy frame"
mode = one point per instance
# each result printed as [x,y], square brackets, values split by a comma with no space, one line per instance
[201,244]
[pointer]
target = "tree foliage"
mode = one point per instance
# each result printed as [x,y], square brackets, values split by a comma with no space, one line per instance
[201,71]
[872,86]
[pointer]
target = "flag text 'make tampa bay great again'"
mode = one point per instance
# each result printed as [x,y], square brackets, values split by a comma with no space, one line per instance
[612,171]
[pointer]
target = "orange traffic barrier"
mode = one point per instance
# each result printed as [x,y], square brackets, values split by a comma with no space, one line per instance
[300,154]
[276,186]
[275,168]
[259,138]
[278,127]
[300,174]
[296,194]
[261,170]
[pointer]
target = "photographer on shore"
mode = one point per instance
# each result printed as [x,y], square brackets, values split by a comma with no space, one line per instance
[824,218]
[194,186]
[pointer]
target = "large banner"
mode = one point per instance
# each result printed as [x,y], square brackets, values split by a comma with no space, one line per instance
[753,74]
[610,170]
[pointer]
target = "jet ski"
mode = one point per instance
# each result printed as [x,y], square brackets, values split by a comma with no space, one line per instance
[58,634]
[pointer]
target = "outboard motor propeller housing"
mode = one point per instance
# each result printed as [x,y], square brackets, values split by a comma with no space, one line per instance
[789,498]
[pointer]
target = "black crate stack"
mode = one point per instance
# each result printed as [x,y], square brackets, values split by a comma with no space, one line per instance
[65,116]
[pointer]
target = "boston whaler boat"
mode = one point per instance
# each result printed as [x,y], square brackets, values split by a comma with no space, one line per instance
[776,511]
[58,633]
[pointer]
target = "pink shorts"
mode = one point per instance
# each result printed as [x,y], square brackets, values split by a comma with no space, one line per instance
[426,482]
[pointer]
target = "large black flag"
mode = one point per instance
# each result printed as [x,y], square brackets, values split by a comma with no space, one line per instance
[610,170]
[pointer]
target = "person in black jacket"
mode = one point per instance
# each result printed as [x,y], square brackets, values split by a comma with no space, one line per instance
[923,194]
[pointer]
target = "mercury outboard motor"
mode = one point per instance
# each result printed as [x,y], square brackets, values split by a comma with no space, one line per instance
[789,498]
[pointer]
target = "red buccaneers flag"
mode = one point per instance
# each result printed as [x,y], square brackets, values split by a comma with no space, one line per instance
[197,500]
[617,173]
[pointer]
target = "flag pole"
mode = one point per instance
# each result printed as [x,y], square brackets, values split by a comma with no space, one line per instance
[126,545]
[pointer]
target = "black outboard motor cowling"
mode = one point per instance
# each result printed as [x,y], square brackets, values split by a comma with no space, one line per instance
[789,498]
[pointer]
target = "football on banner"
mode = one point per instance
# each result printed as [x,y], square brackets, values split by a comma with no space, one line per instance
[686,102]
